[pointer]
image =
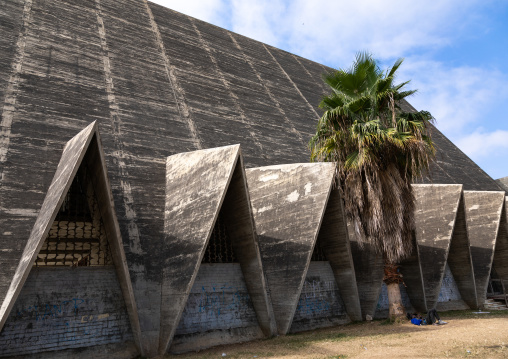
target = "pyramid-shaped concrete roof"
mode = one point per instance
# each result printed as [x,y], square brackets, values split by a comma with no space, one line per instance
[158,83]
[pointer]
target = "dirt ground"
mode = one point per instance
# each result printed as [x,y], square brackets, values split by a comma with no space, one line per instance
[467,335]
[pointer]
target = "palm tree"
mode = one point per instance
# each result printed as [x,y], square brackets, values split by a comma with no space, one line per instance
[379,150]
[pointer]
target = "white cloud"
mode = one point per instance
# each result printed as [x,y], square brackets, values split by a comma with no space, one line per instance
[386,28]
[333,31]
[212,11]
[488,148]
[480,144]
[466,103]
[458,97]
[465,100]
[258,19]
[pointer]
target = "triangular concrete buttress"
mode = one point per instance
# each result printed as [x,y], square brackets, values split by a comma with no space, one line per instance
[199,185]
[334,239]
[460,260]
[483,214]
[441,236]
[83,149]
[290,202]
[500,262]
[369,272]
[411,270]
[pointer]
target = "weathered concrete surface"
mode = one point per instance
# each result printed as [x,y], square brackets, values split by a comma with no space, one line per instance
[72,156]
[441,236]
[158,83]
[85,148]
[500,262]
[460,260]
[449,295]
[334,240]
[411,269]
[369,273]
[198,185]
[62,308]
[218,311]
[289,202]
[48,98]
[483,214]
[320,304]
[383,308]
[503,183]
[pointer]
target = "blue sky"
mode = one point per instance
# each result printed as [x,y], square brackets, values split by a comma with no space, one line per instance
[456,53]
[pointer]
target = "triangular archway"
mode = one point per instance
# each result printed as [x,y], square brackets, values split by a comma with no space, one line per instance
[441,237]
[76,227]
[202,186]
[484,211]
[291,213]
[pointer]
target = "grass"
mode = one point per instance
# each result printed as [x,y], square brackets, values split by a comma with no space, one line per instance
[468,314]
[351,340]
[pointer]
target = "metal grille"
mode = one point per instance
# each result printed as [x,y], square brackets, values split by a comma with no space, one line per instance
[319,254]
[77,237]
[220,247]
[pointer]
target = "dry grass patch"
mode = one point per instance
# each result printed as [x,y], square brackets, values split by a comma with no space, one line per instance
[467,335]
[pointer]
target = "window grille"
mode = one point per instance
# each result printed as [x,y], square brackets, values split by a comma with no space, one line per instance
[220,246]
[77,237]
[319,254]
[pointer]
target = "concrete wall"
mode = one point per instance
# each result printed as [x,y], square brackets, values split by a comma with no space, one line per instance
[63,308]
[503,183]
[219,310]
[199,185]
[449,295]
[320,304]
[158,83]
[382,308]
[483,211]
[289,202]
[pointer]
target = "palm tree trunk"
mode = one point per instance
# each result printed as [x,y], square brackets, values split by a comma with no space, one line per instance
[392,280]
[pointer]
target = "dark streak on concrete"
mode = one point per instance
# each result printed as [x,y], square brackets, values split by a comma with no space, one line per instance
[483,214]
[289,202]
[198,185]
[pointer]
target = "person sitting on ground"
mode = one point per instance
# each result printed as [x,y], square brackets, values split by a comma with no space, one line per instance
[433,318]
[415,320]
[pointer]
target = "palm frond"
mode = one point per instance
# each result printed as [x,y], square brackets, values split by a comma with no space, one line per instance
[378,150]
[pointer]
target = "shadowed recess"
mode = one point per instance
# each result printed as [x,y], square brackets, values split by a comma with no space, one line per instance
[199,186]
[82,163]
[483,214]
[289,202]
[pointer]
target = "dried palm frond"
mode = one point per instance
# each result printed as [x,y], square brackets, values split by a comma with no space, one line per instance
[378,149]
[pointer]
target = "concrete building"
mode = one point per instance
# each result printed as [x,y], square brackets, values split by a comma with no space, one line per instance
[155,192]
[503,183]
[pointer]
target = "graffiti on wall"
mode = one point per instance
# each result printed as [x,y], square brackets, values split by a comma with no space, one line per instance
[221,297]
[49,311]
[316,297]
[52,314]
[62,319]
[320,303]
[382,303]
[449,290]
[218,300]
